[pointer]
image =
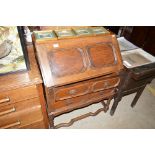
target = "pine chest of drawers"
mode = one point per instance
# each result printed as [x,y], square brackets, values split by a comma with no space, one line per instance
[79,71]
[22,103]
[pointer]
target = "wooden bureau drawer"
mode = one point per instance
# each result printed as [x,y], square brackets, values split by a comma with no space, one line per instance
[105,84]
[20,114]
[17,95]
[70,91]
[81,101]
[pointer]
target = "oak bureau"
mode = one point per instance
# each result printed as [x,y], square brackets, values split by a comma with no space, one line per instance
[79,71]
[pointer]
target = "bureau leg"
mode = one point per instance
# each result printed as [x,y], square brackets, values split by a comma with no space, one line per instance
[51,118]
[137,97]
[106,105]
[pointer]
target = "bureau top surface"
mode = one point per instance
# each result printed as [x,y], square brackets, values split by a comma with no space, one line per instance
[21,79]
[71,60]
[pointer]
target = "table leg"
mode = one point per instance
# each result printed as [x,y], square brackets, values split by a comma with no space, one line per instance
[114,106]
[117,99]
[138,94]
[124,81]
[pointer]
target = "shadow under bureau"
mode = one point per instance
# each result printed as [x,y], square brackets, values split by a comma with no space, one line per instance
[78,72]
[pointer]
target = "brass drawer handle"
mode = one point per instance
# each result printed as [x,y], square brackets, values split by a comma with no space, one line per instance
[7,99]
[10,125]
[73,91]
[106,84]
[8,111]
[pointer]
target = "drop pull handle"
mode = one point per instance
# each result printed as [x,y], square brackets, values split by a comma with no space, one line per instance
[73,91]
[11,125]
[13,109]
[4,100]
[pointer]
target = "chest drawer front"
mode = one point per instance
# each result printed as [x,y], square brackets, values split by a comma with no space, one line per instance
[18,95]
[25,120]
[21,113]
[37,125]
[105,84]
[71,91]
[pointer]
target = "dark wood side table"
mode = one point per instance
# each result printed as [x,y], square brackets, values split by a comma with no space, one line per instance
[134,80]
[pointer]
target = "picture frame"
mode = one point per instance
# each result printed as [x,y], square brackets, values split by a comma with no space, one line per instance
[98,30]
[41,36]
[82,31]
[13,50]
[65,33]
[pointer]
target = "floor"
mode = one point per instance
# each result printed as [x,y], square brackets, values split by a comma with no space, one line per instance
[142,116]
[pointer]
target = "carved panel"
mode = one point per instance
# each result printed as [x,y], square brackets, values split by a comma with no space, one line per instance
[101,55]
[66,61]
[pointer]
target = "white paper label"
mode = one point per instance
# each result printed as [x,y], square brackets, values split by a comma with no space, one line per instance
[56,45]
